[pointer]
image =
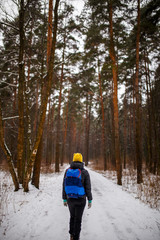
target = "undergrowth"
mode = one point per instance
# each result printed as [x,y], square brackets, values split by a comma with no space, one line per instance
[148,192]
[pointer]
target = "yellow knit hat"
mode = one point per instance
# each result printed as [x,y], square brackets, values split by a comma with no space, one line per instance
[77,157]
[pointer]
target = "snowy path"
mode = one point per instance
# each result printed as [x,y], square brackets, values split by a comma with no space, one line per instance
[115,214]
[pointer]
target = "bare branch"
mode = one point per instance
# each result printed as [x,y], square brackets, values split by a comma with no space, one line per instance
[9,25]
[11,73]
[27,4]
[8,118]
[28,21]
[16,3]
[10,60]
[11,84]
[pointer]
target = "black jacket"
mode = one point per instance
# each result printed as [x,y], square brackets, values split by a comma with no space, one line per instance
[85,180]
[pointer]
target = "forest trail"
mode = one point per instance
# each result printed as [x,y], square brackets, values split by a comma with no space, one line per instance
[115,214]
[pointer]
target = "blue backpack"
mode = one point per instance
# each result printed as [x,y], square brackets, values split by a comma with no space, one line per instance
[73,183]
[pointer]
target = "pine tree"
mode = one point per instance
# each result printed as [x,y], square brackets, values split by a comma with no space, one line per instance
[44,105]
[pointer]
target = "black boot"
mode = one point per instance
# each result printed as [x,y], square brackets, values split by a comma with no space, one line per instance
[71,237]
[76,238]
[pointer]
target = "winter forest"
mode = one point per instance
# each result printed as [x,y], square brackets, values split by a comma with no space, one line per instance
[80,76]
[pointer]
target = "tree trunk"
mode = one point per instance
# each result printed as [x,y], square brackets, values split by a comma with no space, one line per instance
[74,131]
[47,138]
[65,133]
[7,153]
[134,129]
[52,135]
[36,109]
[103,122]
[87,127]
[20,146]
[113,157]
[37,165]
[115,98]
[49,37]
[149,130]
[27,120]
[38,159]
[125,131]
[44,104]
[58,119]
[156,151]
[138,115]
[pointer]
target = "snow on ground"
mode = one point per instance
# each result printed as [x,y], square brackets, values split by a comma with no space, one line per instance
[148,191]
[115,214]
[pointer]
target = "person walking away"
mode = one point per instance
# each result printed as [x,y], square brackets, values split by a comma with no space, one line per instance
[76,188]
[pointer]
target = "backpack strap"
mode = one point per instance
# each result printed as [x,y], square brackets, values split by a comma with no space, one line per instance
[79,173]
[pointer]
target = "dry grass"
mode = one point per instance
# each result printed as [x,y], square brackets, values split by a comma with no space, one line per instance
[98,165]
[4,166]
[47,169]
[147,192]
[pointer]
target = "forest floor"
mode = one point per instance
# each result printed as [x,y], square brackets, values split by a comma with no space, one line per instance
[40,214]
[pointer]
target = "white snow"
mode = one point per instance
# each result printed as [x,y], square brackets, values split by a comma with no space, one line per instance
[40,214]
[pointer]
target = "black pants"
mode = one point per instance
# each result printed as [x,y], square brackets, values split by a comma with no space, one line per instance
[76,208]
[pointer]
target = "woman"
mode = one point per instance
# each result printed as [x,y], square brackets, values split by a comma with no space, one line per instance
[76,187]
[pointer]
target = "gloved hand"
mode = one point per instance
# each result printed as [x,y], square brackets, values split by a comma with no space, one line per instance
[89,204]
[65,202]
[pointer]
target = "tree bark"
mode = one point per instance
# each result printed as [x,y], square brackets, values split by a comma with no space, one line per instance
[149,130]
[38,159]
[125,131]
[37,165]
[59,109]
[58,119]
[45,101]
[20,145]
[115,98]
[47,138]
[153,109]
[87,128]
[113,157]
[134,129]
[65,133]
[103,122]
[138,115]
[27,120]
[49,37]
